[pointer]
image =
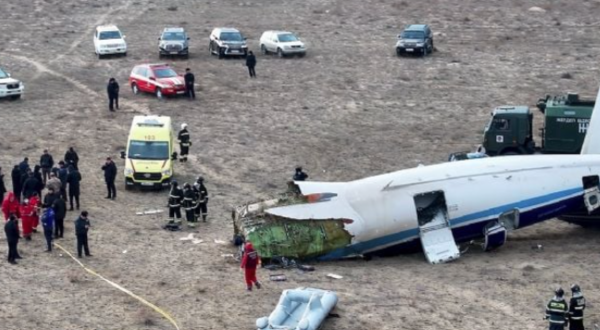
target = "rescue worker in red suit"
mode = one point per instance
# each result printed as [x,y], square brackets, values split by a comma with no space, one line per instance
[28,212]
[249,263]
[36,202]
[10,205]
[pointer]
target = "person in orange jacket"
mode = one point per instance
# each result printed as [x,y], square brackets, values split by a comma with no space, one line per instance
[35,201]
[250,261]
[28,212]
[10,205]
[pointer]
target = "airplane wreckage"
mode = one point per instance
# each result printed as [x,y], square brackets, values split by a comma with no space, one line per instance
[438,205]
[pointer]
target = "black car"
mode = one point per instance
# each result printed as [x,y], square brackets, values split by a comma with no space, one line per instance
[415,39]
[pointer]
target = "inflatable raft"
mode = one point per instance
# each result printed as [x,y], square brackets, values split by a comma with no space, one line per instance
[299,309]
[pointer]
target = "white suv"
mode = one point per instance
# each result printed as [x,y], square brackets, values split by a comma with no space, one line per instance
[227,42]
[281,43]
[108,40]
[10,87]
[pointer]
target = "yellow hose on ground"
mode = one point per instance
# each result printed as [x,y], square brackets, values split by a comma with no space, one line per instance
[142,300]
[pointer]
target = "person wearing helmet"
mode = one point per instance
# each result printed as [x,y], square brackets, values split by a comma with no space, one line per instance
[175,199]
[184,143]
[557,311]
[202,199]
[189,202]
[300,175]
[576,307]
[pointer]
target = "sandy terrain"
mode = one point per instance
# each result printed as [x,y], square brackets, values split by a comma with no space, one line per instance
[349,109]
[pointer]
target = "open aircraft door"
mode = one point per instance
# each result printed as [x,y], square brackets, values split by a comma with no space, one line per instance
[436,236]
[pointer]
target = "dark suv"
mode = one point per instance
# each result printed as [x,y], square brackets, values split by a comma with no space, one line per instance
[415,39]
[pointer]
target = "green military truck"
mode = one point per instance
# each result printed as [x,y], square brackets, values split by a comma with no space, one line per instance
[566,119]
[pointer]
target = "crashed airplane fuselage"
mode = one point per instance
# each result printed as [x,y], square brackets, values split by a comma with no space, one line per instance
[439,205]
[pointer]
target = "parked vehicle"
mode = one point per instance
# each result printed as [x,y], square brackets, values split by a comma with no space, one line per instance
[227,42]
[415,39]
[566,118]
[282,43]
[10,87]
[173,41]
[150,152]
[158,79]
[109,40]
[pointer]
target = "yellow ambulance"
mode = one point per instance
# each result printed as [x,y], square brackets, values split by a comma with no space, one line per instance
[149,156]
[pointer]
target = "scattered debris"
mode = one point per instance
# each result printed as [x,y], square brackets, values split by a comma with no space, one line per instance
[537,247]
[336,276]
[227,255]
[218,241]
[277,277]
[147,212]
[566,75]
[197,241]
[188,237]
[537,9]
[124,251]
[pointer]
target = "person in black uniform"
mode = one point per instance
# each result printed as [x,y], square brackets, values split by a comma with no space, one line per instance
[110,174]
[576,307]
[184,142]
[189,202]
[50,197]
[189,84]
[113,94]
[46,162]
[60,211]
[251,63]
[30,184]
[11,229]
[175,199]
[202,197]
[2,186]
[71,158]
[300,175]
[62,176]
[82,226]
[557,311]
[73,179]
[15,176]
[37,173]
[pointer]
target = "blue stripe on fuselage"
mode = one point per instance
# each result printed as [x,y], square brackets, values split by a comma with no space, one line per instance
[474,229]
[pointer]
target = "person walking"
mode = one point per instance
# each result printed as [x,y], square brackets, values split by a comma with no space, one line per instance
[189,84]
[62,176]
[202,197]
[184,143]
[576,307]
[113,94]
[251,63]
[10,206]
[48,224]
[73,180]
[15,176]
[110,174]
[250,261]
[71,158]
[2,186]
[557,311]
[60,211]
[82,226]
[11,229]
[175,199]
[299,175]
[46,163]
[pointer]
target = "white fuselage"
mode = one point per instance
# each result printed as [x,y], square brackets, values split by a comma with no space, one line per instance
[476,192]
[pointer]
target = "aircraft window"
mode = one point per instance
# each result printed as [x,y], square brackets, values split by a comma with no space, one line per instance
[501,124]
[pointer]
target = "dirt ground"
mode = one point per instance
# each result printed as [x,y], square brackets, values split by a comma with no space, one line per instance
[349,109]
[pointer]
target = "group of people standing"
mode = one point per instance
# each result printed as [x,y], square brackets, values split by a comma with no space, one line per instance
[193,199]
[560,314]
[25,201]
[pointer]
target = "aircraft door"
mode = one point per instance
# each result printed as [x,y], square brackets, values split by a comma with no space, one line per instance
[591,192]
[509,219]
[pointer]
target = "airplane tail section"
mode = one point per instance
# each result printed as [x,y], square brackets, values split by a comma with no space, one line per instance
[591,144]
